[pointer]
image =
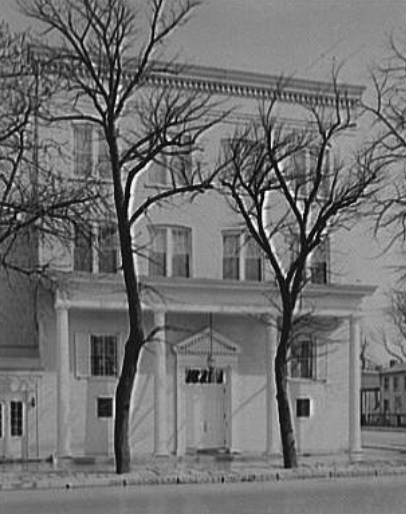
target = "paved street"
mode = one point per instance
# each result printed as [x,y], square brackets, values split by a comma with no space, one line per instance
[383,495]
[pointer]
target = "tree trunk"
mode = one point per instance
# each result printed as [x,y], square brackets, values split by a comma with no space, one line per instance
[285,415]
[123,404]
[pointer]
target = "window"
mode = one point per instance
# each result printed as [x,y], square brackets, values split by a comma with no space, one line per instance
[303,359]
[16,418]
[181,252]
[82,149]
[231,256]
[395,383]
[302,407]
[174,165]
[82,254]
[301,171]
[404,382]
[253,261]
[386,383]
[103,355]
[398,404]
[105,407]
[319,263]
[242,257]
[90,152]
[101,259]
[1,420]
[108,248]
[297,172]
[171,252]
[103,156]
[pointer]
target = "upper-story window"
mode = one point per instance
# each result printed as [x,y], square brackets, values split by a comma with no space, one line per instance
[82,250]
[172,167]
[90,152]
[90,257]
[108,255]
[395,383]
[301,171]
[171,252]
[242,257]
[319,268]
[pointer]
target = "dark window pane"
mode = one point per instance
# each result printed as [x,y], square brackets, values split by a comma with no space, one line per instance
[16,419]
[103,355]
[82,254]
[83,158]
[108,249]
[303,407]
[104,407]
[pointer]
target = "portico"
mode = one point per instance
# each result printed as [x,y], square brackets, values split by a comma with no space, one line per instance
[235,349]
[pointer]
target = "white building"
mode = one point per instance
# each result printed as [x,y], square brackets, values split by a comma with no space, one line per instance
[208,286]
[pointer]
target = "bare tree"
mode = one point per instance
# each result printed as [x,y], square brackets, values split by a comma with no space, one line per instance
[105,62]
[386,106]
[36,200]
[291,208]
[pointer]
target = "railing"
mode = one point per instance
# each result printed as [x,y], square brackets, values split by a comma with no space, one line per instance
[383,419]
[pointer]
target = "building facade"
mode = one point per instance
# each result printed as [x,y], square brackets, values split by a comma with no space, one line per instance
[206,381]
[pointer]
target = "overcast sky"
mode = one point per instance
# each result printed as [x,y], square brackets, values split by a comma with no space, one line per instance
[295,37]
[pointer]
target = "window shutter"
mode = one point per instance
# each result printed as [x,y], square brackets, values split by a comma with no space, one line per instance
[322,351]
[82,355]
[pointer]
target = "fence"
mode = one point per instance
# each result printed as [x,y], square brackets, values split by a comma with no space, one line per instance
[383,419]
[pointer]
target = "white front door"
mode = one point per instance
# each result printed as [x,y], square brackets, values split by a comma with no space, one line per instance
[206,409]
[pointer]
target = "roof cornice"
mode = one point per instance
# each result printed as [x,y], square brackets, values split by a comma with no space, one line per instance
[231,82]
[254,85]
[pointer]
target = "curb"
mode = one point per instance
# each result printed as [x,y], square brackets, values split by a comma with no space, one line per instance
[150,478]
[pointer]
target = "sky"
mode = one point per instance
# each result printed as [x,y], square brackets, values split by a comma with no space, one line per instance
[294,37]
[300,38]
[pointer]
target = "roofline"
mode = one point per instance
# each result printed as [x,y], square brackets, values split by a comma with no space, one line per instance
[232,82]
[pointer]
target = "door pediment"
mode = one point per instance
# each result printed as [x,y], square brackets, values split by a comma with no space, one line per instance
[207,342]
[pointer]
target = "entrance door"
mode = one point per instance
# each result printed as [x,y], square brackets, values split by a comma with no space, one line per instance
[206,408]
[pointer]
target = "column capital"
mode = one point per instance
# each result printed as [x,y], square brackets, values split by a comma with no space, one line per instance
[61,300]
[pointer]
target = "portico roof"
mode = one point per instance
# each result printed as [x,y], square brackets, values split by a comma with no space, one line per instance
[205,295]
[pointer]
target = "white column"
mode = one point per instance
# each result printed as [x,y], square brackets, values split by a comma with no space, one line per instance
[354,386]
[160,386]
[272,430]
[63,380]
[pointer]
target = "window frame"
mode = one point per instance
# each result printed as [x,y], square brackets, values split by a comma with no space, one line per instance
[161,175]
[241,257]
[303,408]
[94,249]
[319,267]
[112,248]
[303,366]
[111,406]
[169,255]
[19,422]
[97,142]
[104,357]
[301,188]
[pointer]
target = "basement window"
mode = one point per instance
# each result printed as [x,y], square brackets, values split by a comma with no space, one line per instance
[303,407]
